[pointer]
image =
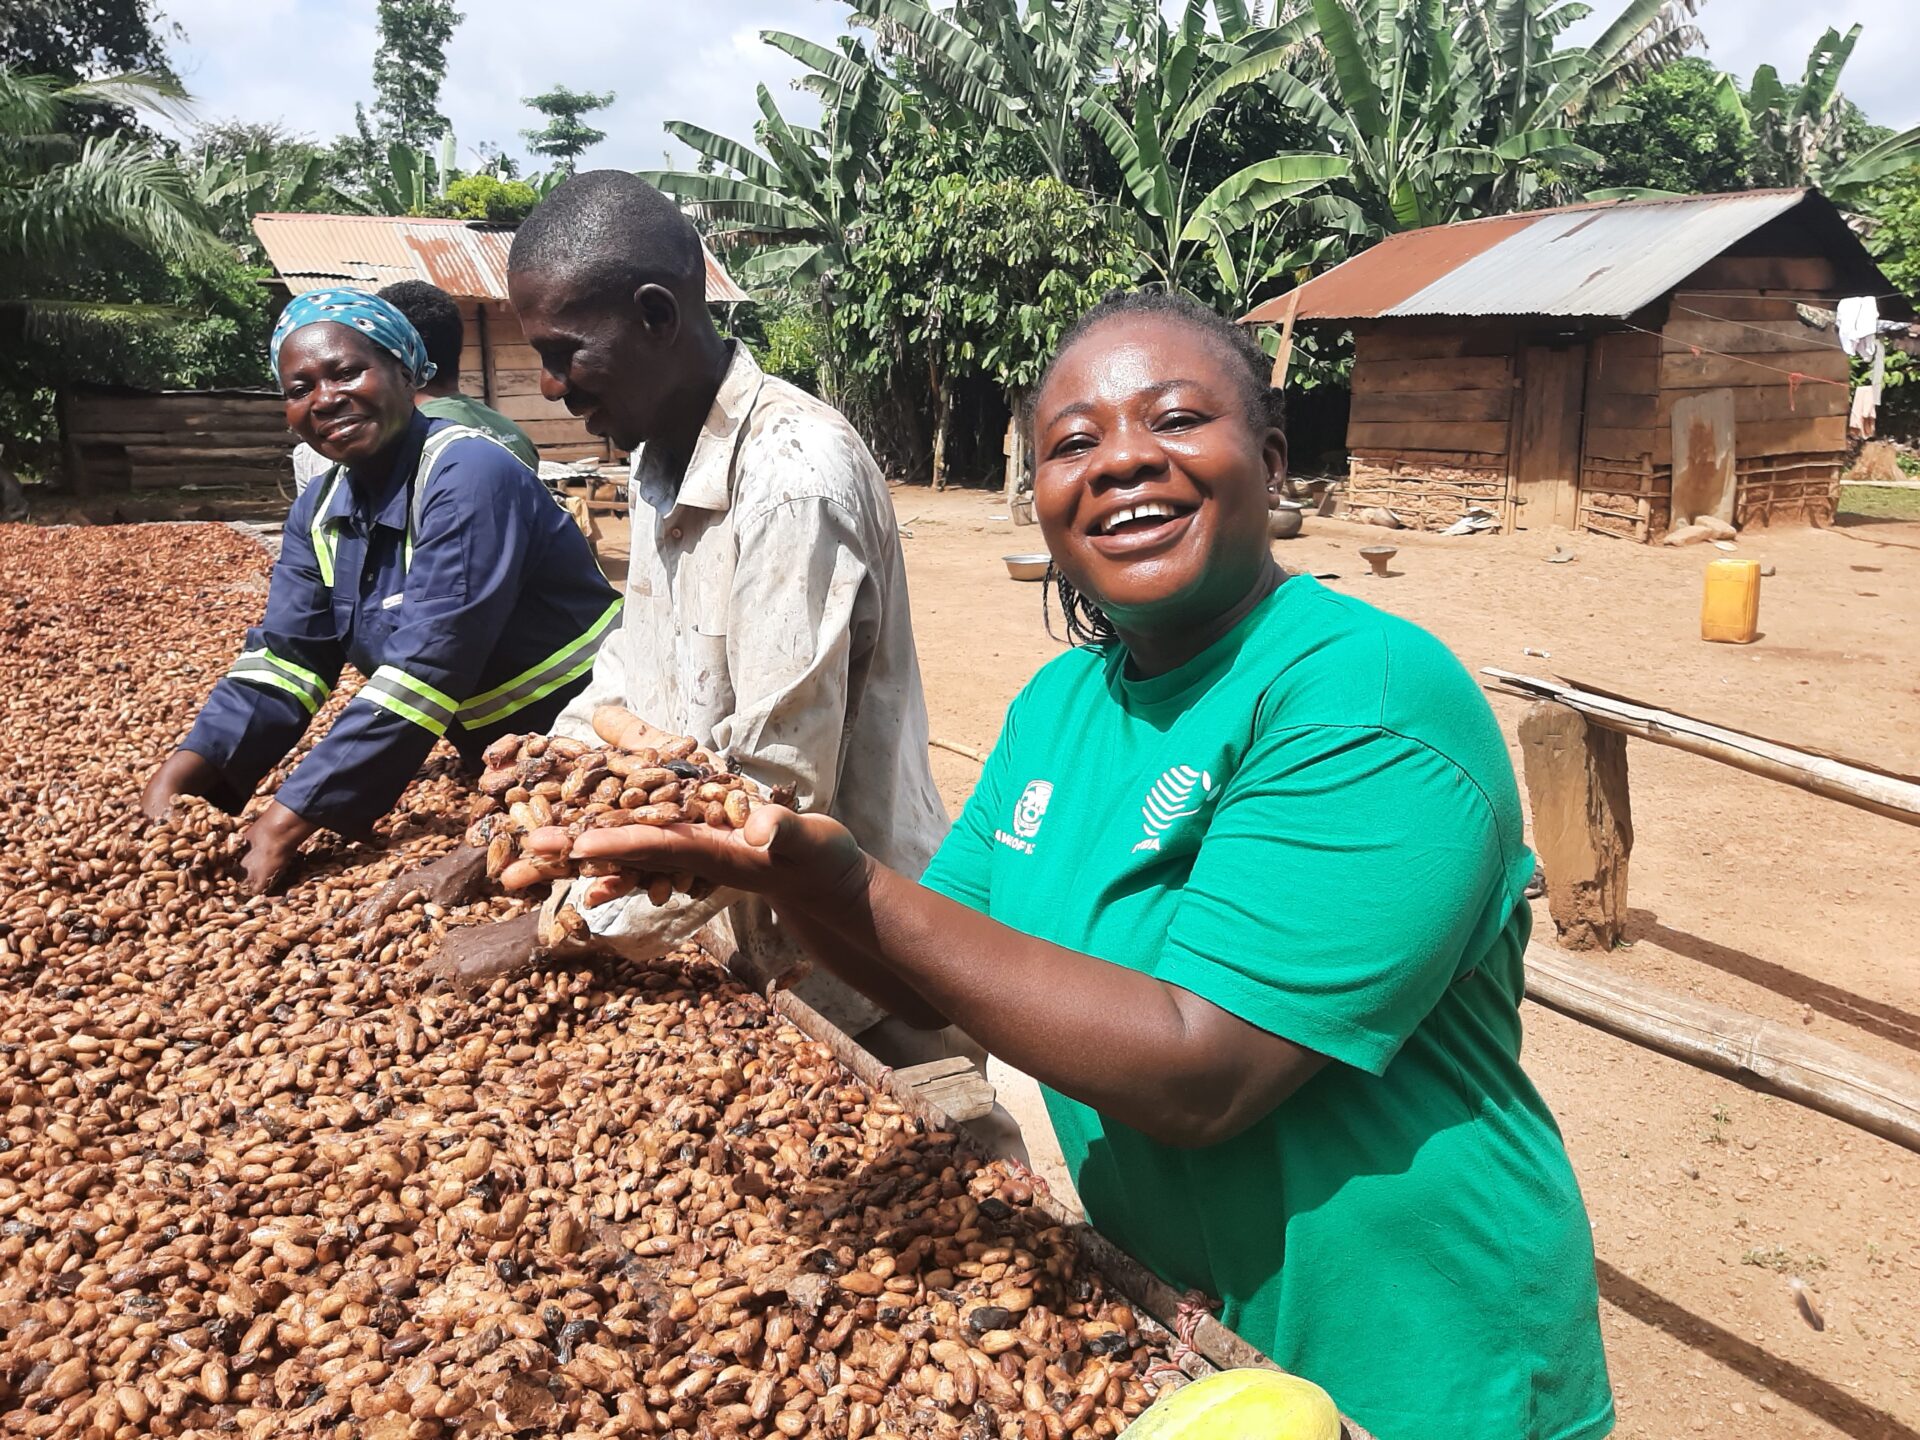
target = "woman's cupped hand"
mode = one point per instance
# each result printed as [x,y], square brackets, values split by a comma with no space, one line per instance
[802,862]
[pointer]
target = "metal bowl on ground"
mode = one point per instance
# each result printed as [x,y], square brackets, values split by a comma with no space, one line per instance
[1027,567]
[1284,519]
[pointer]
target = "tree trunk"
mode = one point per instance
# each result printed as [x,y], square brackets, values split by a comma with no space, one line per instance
[13,500]
[943,403]
[1019,470]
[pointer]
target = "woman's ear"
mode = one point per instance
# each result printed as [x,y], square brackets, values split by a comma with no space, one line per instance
[1273,451]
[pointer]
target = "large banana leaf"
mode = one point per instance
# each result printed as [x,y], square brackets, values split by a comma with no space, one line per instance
[1121,144]
[1265,61]
[722,151]
[1557,146]
[1821,84]
[1893,156]
[962,69]
[1249,192]
[1353,66]
[726,197]
[841,71]
[773,267]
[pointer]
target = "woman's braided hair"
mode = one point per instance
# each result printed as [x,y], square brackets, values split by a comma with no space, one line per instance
[1085,622]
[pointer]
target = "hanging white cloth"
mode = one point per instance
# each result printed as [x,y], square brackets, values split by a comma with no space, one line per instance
[1858,321]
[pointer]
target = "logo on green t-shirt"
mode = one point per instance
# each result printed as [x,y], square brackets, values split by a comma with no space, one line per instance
[1027,815]
[1180,792]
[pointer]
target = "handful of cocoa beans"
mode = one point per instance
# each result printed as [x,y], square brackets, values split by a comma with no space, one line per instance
[638,776]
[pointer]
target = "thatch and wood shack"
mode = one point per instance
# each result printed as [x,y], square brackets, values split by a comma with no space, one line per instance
[1616,367]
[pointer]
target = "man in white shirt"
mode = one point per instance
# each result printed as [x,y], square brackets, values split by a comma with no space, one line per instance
[766,609]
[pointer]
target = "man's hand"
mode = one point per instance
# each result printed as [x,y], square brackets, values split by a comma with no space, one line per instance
[454,879]
[182,773]
[476,954]
[273,845]
[619,726]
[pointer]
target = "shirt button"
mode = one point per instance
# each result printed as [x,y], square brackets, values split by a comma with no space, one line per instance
[674,533]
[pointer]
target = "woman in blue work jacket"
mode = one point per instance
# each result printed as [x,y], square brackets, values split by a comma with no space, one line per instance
[429,556]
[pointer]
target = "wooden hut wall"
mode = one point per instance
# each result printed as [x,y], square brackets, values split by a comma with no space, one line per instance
[1790,434]
[126,440]
[1790,391]
[1618,493]
[1432,412]
[498,366]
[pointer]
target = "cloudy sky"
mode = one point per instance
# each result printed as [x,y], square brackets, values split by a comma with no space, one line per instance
[305,62]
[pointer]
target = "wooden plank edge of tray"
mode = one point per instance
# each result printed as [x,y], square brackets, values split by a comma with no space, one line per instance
[1212,1346]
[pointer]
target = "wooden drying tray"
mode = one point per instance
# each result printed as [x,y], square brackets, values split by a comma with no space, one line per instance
[1212,1346]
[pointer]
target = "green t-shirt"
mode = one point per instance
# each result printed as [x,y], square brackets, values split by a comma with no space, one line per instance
[1315,826]
[465,410]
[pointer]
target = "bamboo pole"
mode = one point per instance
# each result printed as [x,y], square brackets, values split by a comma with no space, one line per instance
[1216,1347]
[1852,783]
[1879,1098]
[963,750]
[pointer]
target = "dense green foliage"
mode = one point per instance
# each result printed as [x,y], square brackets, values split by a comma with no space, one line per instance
[1684,137]
[1895,236]
[968,269]
[109,266]
[481,197]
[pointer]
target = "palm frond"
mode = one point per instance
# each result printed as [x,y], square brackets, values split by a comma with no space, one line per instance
[72,321]
[114,187]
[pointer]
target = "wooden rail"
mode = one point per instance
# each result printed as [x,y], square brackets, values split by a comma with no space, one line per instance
[1849,781]
[1782,1059]
[1575,756]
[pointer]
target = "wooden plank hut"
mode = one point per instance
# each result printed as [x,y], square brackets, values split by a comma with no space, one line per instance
[467,259]
[1617,367]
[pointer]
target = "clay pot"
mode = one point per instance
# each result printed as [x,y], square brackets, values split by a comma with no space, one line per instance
[1284,519]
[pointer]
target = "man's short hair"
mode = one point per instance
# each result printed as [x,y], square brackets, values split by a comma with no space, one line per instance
[436,315]
[609,232]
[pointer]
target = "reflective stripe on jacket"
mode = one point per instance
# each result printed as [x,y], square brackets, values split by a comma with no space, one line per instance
[466,596]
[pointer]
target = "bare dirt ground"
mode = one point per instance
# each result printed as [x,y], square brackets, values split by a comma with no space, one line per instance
[1706,1197]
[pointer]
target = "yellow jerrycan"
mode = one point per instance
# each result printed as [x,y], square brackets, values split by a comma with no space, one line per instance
[1730,609]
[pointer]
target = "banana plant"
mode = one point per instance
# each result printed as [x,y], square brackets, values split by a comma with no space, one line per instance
[1797,132]
[237,187]
[1028,71]
[793,209]
[1173,73]
[410,184]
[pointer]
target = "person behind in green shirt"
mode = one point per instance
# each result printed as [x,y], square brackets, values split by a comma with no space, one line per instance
[1241,885]
[436,316]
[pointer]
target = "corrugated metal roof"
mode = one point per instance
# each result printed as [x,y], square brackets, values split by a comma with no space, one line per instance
[1605,259]
[1358,288]
[1597,262]
[364,252]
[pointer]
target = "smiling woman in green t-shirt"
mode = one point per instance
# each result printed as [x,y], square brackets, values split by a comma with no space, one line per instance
[1241,885]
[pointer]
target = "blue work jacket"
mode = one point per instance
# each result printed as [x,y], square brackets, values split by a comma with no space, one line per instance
[455,584]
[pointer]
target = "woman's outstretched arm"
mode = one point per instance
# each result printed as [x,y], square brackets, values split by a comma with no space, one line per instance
[1156,1057]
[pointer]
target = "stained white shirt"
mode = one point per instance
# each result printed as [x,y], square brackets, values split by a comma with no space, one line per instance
[766,616]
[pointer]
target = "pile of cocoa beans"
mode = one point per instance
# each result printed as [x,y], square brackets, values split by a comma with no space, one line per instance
[256,1180]
[533,782]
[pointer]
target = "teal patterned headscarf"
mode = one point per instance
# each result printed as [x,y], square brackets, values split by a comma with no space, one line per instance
[369,314]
